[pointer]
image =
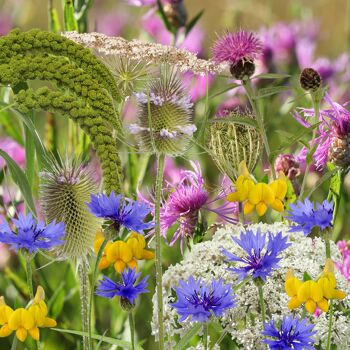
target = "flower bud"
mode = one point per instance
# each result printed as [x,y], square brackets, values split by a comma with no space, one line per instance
[176,13]
[310,79]
[288,165]
[339,151]
[242,70]
[126,305]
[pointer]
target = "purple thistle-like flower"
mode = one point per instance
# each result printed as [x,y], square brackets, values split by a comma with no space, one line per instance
[257,263]
[292,333]
[234,47]
[32,235]
[127,289]
[307,216]
[128,213]
[186,199]
[199,300]
[335,123]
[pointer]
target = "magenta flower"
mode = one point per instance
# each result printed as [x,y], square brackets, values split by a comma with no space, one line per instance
[235,47]
[141,2]
[344,265]
[14,150]
[335,124]
[184,202]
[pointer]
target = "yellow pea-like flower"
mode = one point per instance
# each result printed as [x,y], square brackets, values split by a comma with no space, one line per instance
[5,314]
[120,254]
[259,198]
[137,244]
[104,263]
[311,294]
[279,188]
[22,321]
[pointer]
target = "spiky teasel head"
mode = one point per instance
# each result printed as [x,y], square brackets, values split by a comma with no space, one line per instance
[164,125]
[130,75]
[64,190]
[231,142]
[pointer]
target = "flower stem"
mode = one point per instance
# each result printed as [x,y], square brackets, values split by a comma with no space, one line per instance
[158,261]
[316,104]
[328,245]
[132,329]
[93,282]
[205,335]
[262,303]
[241,213]
[83,273]
[329,343]
[260,120]
[29,273]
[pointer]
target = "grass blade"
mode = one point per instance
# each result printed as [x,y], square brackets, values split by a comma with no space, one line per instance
[188,336]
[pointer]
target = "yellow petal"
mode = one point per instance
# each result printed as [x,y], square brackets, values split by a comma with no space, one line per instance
[5,331]
[338,294]
[248,208]
[277,205]
[323,305]
[147,255]
[294,303]
[34,333]
[310,306]
[104,263]
[49,322]
[292,285]
[255,194]
[132,264]
[135,247]
[39,295]
[2,301]
[233,197]
[119,251]
[5,313]
[261,208]
[310,290]
[327,289]
[279,188]
[119,266]
[267,194]
[21,334]
[21,318]
[329,266]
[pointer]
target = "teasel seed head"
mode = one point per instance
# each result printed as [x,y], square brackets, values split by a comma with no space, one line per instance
[164,125]
[242,70]
[231,142]
[64,190]
[176,13]
[310,80]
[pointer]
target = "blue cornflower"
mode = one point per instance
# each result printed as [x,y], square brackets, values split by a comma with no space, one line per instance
[199,300]
[32,235]
[128,213]
[306,216]
[292,333]
[126,289]
[260,264]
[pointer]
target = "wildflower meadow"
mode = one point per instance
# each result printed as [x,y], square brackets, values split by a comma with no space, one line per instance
[174,174]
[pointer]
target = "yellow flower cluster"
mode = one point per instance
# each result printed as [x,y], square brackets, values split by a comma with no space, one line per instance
[258,196]
[313,293]
[122,254]
[25,321]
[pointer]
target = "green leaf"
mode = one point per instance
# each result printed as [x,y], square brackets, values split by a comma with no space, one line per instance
[291,196]
[269,91]
[271,76]
[54,23]
[325,177]
[122,343]
[306,277]
[20,180]
[56,302]
[193,22]
[237,120]
[227,88]
[188,336]
[11,128]
[164,17]
[70,23]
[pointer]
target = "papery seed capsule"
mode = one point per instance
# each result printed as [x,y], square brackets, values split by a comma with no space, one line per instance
[231,142]
[64,191]
[310,79]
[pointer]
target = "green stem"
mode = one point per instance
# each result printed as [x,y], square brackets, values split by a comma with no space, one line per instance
[316,104]
[29,273]
[327,244]
[83,273]
[262,303]
[93,282]
[205,335]
[158,261]
[132,330]
[329,343]
[241,213]
[260,120]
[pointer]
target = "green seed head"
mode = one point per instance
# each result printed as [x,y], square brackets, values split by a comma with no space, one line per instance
[64,191]
[231,142]
[164,125]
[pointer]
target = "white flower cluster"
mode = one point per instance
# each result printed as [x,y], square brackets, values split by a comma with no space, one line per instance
[206,261]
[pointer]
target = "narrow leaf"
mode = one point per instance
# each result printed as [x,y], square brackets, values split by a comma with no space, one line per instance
[271,76]
[188,336]
[325,177]
[236,120]
[164,17]
[20,180]
[269,91]
[193,21]
[227,88]
[70,23]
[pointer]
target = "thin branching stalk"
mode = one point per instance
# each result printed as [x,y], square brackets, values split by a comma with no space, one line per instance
[29,273]
[132,329]
[158,258]
[262,303]
[205,335]
[327,243]
[83,272]
[329,342]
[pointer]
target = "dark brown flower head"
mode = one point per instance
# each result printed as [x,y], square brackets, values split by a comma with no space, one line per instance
[310,79]
[288,165]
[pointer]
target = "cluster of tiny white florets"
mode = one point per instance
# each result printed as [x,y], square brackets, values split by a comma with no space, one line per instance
[206,261]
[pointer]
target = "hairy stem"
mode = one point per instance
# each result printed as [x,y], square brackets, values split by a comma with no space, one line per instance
[29,273]
[83,273]
[260,120]
[329,343]
[205,335]
[132,329]
[158,261]
[262,303]
[327,244]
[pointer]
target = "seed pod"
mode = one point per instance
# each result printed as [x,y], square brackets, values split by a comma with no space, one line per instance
[164,125]
[310,79]
[231,142]
[64,191]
